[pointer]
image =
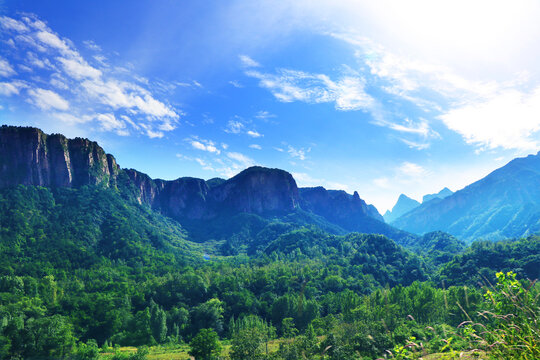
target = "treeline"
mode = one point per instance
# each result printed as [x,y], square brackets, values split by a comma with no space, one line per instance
[88,268]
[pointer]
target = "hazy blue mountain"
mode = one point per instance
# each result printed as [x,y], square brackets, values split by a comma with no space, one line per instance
[403,205]
[444,193]
[504,204]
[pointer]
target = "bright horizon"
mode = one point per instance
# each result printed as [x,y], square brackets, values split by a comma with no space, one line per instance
[384,98]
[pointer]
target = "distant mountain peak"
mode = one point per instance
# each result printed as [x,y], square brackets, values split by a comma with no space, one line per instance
[504,204]
[440,195]
[403,205]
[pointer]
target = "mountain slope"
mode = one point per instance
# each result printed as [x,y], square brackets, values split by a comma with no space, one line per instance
[506,203]
[403,205]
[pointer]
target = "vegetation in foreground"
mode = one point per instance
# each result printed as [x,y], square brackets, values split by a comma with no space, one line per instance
[82,275]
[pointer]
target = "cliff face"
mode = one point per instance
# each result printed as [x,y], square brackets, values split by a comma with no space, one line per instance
[30,157]
[337,206]
[258,190]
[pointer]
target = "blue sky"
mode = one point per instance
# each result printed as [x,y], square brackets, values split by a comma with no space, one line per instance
[386,98]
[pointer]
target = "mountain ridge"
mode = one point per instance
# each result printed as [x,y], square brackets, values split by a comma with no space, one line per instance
[503,204]
[256,190]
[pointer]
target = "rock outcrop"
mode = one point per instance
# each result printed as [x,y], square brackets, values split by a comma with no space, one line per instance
[30,157]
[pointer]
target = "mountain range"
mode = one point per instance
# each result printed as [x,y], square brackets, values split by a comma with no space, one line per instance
[506,203]
[30,157]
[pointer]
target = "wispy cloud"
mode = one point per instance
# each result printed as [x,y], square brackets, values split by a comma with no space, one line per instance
[248,62]
[264,115]
[204,145]
[347,93]
[47,99]
[6,69]
[86,87]
[487,114]
[299,154]
[253,134]
[255,146]
[412,170]
[234,127]
[238,126]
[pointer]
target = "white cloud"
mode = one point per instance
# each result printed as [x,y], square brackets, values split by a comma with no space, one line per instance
[234,127]
[86,89]
[120,94]
[507,120]
[382,182]
[11,88]
[415,145]
[47,99]
[410,169]
[347,93]
[248,62]
[253,134]
[264,115]
[6,69]
[255,146]
[236,84]
[244,160]
[79,69]
[206,146]
[110,123]
[90,44]
[300,154]
[52,40]
[12,24]
[71,119]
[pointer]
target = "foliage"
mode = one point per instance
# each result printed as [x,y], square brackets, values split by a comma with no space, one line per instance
[205,345]
[87,268]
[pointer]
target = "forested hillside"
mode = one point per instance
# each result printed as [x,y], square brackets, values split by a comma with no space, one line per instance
[91,267]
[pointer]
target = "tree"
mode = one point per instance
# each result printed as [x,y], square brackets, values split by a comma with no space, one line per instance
[158,323]
[205,345]
[247,344]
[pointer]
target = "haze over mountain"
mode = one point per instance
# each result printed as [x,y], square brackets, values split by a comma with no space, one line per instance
[505,203]
[446,192]
[403,205]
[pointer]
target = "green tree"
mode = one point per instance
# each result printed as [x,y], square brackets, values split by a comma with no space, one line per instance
[205,345]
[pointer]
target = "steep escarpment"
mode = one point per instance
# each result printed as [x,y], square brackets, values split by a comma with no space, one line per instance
[258,190]
[30,157]
[337,206]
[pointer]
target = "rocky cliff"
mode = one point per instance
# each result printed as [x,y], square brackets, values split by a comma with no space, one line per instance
[30,157]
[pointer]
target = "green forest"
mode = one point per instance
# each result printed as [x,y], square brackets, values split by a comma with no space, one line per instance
[87,272]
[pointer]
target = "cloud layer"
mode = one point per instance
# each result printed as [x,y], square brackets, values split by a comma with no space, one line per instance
[55,77]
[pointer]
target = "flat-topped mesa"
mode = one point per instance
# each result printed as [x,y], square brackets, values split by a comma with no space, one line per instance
[30,157]
[257,190]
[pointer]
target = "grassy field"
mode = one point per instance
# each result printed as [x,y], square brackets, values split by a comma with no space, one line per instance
[180,352]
